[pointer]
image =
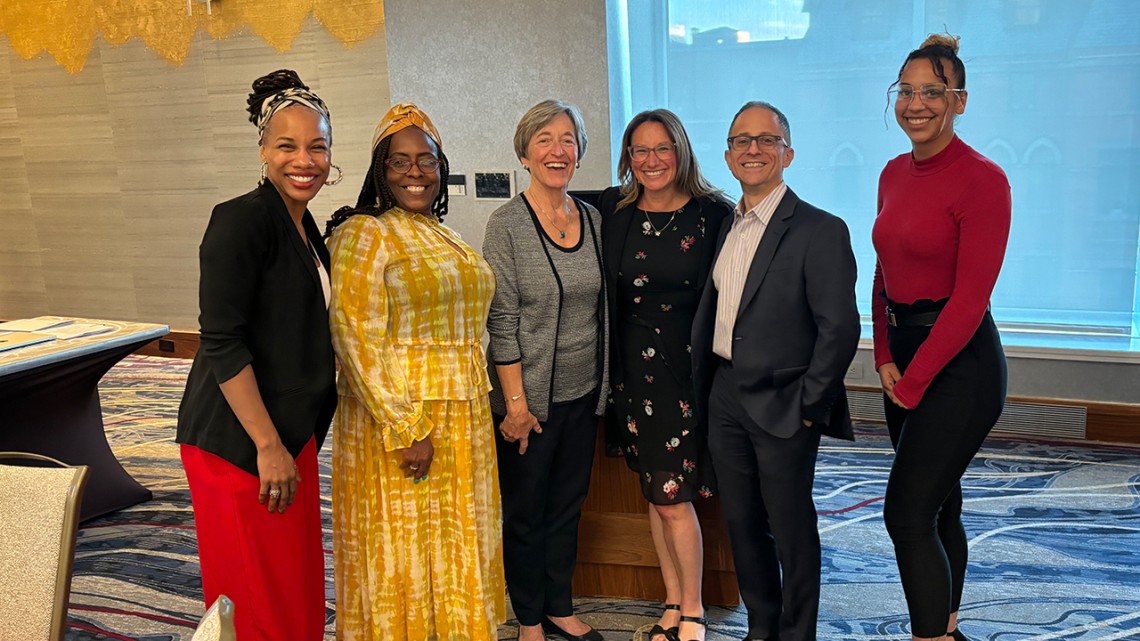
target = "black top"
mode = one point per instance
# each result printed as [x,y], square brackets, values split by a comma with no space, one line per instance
[260,303]
[702,217]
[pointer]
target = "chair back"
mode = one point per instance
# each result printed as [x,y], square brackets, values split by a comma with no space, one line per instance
[39,520]
[218,622]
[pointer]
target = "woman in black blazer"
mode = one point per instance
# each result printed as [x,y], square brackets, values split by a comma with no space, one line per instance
[250,441]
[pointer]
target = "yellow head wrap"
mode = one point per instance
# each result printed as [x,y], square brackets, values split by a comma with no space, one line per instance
[402,116]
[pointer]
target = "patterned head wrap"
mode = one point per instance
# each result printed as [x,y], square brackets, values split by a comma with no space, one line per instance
[287,98]
[402,116]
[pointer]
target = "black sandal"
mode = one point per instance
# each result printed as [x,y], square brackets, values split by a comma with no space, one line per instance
[670,634]
[701,621]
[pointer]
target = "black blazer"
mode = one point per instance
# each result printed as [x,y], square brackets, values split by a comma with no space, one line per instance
[797,328]
[615,230]
[260,303]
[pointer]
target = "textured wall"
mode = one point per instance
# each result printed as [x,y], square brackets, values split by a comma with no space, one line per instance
[109,175]
[476,67]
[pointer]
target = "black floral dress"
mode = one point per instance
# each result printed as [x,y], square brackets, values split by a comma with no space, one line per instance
[658,288]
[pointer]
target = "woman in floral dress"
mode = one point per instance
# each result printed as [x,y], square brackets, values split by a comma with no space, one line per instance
[659,230]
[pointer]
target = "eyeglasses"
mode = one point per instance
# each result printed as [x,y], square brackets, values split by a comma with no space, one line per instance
[402,165]
[744,143]
[934,92]
[662,151]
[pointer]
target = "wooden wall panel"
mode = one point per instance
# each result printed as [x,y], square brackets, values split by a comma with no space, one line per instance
[615,548]
[167,174]
[110,174]
[22,288]
[73,180]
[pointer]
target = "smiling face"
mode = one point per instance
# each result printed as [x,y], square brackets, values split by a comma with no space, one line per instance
[655,174]
[759,169]
[297,154]
[552,153]
[416,190]
[928,123]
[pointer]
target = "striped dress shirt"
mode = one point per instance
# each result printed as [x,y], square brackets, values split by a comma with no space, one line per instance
[734,262]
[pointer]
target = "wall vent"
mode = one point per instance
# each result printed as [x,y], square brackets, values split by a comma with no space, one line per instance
[1032,419]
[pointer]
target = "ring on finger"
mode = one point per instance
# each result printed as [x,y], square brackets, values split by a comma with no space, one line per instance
[275,493]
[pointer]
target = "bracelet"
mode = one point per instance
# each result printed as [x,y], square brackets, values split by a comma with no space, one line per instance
[517,397]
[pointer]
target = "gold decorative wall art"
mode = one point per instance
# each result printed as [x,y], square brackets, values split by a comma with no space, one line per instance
[66,29]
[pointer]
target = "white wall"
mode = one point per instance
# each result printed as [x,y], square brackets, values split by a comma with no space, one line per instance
[476,67]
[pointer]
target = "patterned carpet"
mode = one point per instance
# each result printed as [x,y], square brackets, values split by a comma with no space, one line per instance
[1054,533]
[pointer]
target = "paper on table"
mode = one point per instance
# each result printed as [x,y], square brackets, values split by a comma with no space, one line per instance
[75,330]
[31,324]
[12,340]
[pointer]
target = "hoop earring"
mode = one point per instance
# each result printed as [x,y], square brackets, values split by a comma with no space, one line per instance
[339,175]
[264,173]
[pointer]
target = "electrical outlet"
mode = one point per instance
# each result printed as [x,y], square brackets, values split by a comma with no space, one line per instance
[854,370]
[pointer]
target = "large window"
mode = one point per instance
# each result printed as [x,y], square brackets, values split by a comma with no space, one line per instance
[1054,99]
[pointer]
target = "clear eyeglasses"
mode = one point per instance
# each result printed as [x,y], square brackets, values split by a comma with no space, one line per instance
[641,154]
[403,165]
[931,93]
[744,143]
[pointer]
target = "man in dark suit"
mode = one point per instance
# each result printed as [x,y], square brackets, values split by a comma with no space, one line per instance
[775,330]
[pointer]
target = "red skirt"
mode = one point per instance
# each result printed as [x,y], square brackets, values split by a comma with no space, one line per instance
[271,565]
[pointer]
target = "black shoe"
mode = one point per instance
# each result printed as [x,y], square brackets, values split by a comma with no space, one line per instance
[669,633]
[551,627]
[701,621]
[958,636]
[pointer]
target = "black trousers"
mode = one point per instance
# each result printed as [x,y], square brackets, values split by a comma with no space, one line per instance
[765,485]
[542,493]
[934,444]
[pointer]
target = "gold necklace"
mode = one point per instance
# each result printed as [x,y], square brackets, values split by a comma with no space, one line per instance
[549,217]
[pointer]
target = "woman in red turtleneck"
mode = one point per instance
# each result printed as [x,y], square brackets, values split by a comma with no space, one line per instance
[941,231]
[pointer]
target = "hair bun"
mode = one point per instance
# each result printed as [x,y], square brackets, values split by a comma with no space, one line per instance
[270,84]
[941,40]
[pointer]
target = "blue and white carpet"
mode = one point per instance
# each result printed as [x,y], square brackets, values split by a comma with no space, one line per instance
[1054,532]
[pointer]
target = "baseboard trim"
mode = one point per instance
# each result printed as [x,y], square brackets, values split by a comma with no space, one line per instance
[173,345]
[1105,422]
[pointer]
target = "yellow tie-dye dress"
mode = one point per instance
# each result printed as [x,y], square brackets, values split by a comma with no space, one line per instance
[413,561]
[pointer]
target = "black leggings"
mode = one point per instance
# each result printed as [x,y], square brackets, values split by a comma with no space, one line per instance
[934,444]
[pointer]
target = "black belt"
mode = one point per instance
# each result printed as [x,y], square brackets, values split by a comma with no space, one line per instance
[911,319]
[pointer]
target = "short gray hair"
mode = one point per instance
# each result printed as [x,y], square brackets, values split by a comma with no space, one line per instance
[540,116]
[780,117]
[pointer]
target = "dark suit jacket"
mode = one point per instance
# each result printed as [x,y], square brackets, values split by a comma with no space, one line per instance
[260,303]
[615,229]
[797,328]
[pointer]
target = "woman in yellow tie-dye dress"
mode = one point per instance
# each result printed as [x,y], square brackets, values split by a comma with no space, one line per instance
[416,520]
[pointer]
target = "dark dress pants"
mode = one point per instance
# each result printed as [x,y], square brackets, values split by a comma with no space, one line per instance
[542,494]
[765,486]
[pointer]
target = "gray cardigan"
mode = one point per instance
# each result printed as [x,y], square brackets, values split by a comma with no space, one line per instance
[523,322]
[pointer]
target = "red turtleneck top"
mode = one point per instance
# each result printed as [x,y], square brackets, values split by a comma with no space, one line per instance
[941,232]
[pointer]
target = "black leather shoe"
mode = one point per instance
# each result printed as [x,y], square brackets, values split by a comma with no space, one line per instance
[670,634]
[701,621]
[551,627]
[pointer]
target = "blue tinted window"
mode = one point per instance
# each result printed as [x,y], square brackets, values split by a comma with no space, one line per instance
[1054,99]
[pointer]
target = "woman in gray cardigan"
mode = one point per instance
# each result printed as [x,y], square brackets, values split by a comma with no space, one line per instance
[548,350]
